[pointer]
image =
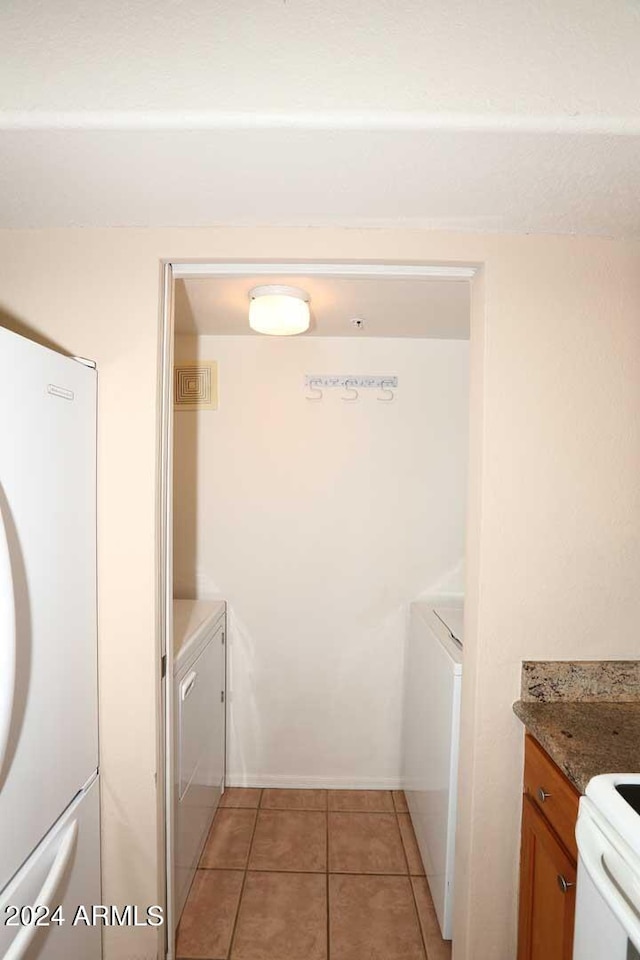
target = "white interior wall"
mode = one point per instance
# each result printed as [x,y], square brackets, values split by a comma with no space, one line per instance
[318,522]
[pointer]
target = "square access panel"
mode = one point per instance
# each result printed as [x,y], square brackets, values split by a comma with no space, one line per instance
[196,385]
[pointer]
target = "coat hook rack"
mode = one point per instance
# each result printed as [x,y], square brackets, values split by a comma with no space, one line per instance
[350,384]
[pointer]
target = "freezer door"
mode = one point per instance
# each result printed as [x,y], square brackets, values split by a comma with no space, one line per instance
[48,665]
[64,871]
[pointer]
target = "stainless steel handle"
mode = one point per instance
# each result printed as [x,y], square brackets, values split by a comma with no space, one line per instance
[563,883]
[542,795]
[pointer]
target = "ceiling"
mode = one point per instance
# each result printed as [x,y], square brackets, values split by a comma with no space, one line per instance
[551,57]
[497,116]
[389,307]
[439,180]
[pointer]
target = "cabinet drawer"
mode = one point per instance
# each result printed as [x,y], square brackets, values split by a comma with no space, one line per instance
[551,792]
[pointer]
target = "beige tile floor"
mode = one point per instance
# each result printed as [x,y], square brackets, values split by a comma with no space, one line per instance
[310,875]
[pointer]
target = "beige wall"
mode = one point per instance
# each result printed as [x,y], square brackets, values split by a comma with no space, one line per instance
[554,524]
[559,550]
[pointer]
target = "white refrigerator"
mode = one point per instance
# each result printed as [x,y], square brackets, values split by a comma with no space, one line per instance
[49,785]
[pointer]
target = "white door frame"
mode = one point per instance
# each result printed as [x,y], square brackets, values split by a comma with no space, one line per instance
[175,270]
[164,698]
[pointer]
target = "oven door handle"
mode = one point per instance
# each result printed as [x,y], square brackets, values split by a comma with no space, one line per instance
[616,882]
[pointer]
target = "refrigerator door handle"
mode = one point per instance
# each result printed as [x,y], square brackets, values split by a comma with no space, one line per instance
[49,888]
[7,642]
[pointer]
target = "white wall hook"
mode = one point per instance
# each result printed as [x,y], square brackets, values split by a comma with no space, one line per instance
[350,390]
[385,388]
[315,390]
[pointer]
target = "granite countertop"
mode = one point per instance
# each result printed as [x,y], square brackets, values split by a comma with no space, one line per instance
[585,738]
[584,713]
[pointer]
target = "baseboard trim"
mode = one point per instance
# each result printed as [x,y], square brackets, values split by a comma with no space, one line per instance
[306,783]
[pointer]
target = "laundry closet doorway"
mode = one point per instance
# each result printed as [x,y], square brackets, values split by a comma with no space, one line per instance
[320,488]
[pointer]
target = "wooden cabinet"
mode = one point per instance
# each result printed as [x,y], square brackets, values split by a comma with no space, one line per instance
[547,859]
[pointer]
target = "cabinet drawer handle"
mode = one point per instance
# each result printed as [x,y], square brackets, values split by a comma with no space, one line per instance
[564,884]
[542,795]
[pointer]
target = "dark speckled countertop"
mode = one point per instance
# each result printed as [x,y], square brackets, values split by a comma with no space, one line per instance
[585,738]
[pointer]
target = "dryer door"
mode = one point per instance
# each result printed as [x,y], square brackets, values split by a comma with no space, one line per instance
[200,738]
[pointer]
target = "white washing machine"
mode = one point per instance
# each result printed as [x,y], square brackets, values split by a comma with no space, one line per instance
[431,734]
[199,731]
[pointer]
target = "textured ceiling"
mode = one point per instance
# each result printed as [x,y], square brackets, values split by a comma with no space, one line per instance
[548,57]
[388,307]
[498,116]
[441,180]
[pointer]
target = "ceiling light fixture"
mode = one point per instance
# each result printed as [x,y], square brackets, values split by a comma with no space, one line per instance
[278,311]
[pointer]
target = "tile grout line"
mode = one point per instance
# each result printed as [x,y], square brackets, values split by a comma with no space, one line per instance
[327,884]
[410,878]
[244,879]
[198,867]
[309,873]
[288,809]
[404,849]
[364,813]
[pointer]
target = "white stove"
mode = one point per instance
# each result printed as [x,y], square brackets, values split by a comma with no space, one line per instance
[608,891]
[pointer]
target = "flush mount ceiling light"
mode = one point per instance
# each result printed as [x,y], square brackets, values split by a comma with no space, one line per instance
[278,311]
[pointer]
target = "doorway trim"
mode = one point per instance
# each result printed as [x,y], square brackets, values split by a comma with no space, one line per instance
[324,268]
[164,532]
[172,270]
